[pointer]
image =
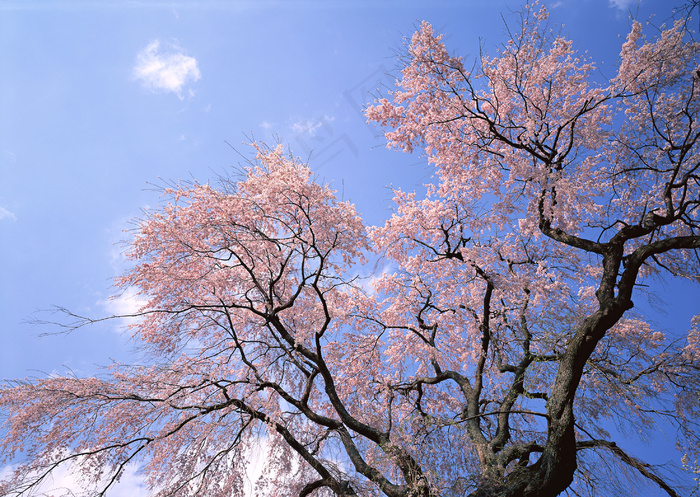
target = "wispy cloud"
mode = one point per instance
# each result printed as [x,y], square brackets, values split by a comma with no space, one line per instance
[310,126]
[128,303]
[64,481]
[5,214]
[165,67]
[10,157]
[623,5]
[124,309]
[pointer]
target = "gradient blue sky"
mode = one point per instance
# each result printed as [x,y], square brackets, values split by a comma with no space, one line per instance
[99,99]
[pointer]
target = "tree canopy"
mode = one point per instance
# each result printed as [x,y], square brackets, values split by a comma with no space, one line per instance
[485,358]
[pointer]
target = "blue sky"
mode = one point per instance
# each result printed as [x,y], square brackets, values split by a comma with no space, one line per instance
[100,99]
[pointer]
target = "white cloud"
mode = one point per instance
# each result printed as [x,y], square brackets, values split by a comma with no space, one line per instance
[5,214]
[131,483]
[368,275]
[310,126]
[128,303]
[125,310]
[165,67]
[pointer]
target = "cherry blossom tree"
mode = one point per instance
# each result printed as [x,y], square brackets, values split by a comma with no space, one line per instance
[488,355]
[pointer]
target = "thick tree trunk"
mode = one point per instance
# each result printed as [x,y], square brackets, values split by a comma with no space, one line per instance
[554,471]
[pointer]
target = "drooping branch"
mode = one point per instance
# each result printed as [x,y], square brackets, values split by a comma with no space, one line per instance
[643,468]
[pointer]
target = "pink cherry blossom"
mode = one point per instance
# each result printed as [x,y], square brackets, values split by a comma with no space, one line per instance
[490,356]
